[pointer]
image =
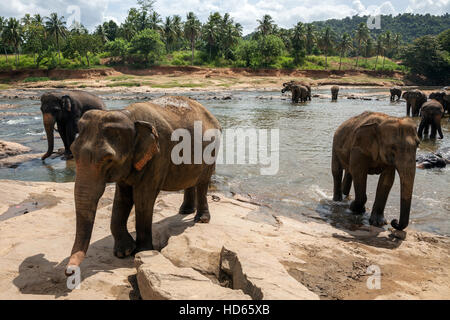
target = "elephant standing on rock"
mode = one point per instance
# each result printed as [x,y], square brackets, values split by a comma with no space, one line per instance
[334,93]
[134,148]
[375,143]
[444,98]
[414,99]
[65,108]
[299,93]
[396,92]
[431,113]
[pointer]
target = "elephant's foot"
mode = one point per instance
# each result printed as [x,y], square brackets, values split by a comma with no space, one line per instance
[186,209]
[145,245]
[357,208]
[67,156]
[124,247]
[202,216]
[377,220]
[337,197]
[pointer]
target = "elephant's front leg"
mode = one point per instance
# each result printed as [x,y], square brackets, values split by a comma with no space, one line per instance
[203,214]
[70,137]
[384,187]
[144,201]
[124,244]
[189,202]
[408,109]
[63,134]
[360,184]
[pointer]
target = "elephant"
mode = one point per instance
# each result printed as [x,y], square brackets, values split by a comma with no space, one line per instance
[65,108]
[396,92]
[334,93]
[414,99]
[440,159]
[431,112]
[306,85]
[375,143]
[133,148]
[443,97]
[299,93]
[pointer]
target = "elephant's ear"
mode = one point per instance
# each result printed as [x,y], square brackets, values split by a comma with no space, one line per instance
[146,144]
[67,103]
[366,140]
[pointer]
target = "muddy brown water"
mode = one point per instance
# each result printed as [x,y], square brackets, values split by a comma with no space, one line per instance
[302,187]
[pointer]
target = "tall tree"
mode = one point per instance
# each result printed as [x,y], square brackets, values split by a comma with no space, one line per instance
[155,21]
[379,47]
[169,33]
[310,38]
[344,45]
[56,27]
[387,45]
[298,41]
[361,35]
[12,35]
[326,43]
[2,36]
[192,29]
[211,31]
[266,25]
[229,35]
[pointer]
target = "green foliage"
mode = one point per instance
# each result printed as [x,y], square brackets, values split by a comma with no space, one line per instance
[82,45]
[147,46]
[247,53]
[269,49]
[444,40]
[118,48]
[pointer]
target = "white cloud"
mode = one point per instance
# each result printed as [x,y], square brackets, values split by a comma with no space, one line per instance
[286,13]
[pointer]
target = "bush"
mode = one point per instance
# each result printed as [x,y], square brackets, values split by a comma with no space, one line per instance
[147,46]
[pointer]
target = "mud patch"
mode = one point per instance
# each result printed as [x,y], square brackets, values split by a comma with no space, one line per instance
[33,203]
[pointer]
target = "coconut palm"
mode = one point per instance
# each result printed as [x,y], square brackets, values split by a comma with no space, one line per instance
[310,38]
[168,33]
[37,20]
[12,35]
[192,29]
[387,45]
[326,43]
[361,36]
[178,30]
[211,31]
[344,45]
[56,27]
[266,25]
[230,34]
[298,41]
[155,21]
[2,29]
[379,47]
[27,20]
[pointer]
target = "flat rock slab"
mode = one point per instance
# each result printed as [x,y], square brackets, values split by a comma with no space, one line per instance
[9,149]
[159,279]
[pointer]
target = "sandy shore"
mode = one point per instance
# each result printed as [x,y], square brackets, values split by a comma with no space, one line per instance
[37,224]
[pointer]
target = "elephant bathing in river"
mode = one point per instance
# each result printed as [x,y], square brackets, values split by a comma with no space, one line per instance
[375,143]
[65,108]
[299,92]
[443,97]
[414,99]
[431,113]
[334,93]
[133,148]
[396,92]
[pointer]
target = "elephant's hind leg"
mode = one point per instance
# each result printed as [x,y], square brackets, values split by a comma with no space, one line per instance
[337,171]
[124,244]
[384,187]
[189,201]
[203,215]
[422,125]
[347,184]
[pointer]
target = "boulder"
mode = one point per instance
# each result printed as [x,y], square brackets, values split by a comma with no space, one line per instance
[159,279]
[8,149]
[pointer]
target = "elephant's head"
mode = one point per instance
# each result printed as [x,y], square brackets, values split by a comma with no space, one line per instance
[287,86]
[393,142]
[439,96]
[109,148]
[54,107]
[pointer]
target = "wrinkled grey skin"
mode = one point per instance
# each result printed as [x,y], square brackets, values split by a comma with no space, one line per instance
[414,100]
[431,113]
[396,92]
[334,93]
[65,108]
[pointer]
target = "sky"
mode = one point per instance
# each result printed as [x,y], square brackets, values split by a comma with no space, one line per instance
[286,13]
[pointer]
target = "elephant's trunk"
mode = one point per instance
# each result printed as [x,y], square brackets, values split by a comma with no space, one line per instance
[89,187]
[407,173]
[49,124]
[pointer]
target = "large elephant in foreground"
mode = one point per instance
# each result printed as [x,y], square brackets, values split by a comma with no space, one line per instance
[414,100]
[299,93]
[375,143]
[134,148]
[65,108]
[431,113]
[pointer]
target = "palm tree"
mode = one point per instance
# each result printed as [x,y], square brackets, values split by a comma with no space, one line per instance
[38,20]
[379,47]
[211,31]
[27,20]
[192,29]
[12,36]
[229,35]
[155,21]
[266,25]
[310,38]
[344,45]
[2,38]
[298,41]
[387,45]
[361,35]
[396,42]
[177,30]
[168,33]
[56,27]
[326,42]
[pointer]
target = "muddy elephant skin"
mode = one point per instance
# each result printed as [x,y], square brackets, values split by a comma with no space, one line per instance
[133,148]
[375,143]
[431,113]
[65,108]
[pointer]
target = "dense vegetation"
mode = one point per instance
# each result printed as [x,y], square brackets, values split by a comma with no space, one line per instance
[145,39]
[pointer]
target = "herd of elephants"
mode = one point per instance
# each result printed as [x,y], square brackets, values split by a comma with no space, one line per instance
[132,148]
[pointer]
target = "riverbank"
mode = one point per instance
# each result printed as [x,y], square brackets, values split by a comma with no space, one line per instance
[280,257]
[173,79]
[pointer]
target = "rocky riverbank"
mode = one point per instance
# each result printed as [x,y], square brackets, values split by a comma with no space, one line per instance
[242,253]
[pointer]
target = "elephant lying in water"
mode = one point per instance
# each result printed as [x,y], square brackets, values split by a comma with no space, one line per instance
[133,148]
[375,143]
[440,159]
[65,108]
